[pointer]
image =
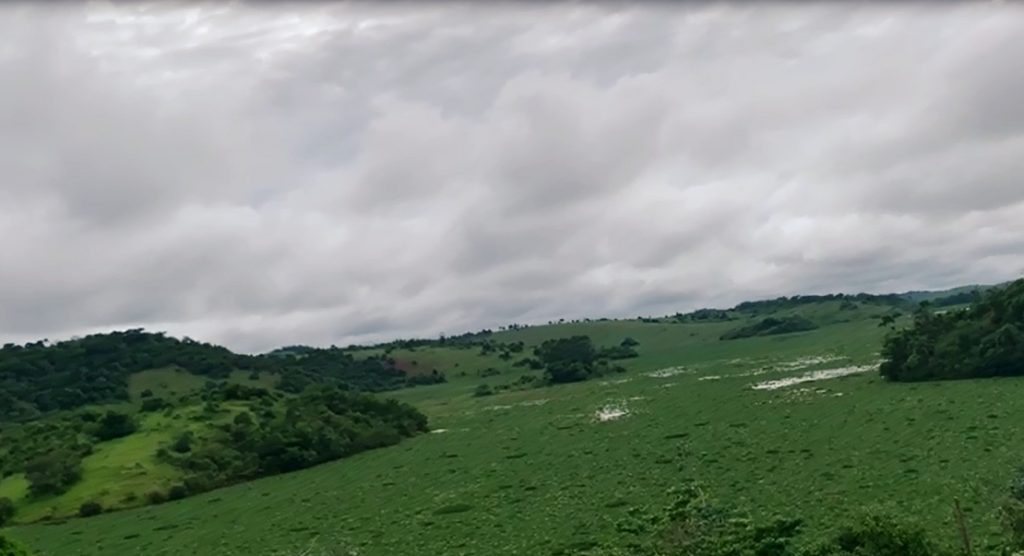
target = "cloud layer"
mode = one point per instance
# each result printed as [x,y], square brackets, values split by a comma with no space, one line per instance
[268,174]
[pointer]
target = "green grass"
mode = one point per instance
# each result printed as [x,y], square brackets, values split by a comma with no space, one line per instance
[115,471]
[167,383]
[119,473]
[531,471]
[263,380]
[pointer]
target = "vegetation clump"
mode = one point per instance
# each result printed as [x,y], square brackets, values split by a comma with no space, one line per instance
[53,473]
[39,377]
[89,509]
[6,510]
[575,359]
[770,326]
[320,425]
[985,340]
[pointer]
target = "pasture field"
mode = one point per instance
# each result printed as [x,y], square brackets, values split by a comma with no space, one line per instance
[548,470]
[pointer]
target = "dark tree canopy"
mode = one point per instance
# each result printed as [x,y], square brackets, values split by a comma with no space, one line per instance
[37,377]
[985,340]
[320,425]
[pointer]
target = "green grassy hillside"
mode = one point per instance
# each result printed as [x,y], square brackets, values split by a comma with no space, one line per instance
[796,423]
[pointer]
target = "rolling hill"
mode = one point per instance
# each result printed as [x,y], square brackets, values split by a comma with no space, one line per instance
[797,422]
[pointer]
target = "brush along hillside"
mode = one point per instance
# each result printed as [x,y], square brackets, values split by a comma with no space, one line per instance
[117,420]
[544,439]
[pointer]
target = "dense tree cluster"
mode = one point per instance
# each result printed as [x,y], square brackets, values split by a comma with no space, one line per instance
[985,340]
[575,358]
[39,377]
[770,326]
[320,425]
[53,472]
[782,303]
[703,315]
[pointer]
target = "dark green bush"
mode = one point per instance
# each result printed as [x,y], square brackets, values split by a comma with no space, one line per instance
[6,511]
[156,497]
[53,473]
[114,425]
[177,492]
[89,509]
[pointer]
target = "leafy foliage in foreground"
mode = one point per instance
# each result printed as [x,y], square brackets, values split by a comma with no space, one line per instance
[693,525]
[9,548]
[984,341]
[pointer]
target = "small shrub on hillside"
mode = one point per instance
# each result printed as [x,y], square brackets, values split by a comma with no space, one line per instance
[483,390]
[114,425]
[90,509]
[6,511]
[156,497]
[177,492]
[183,443]
[153,404]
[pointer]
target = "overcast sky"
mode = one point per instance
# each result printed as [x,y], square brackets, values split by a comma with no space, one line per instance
[274,174]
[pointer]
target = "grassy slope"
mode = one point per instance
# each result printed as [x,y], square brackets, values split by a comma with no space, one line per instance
[120,472]
[532,471]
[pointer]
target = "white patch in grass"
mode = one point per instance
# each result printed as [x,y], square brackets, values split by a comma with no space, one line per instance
[824,374]
[611,413]
[438,431]
[669,371]
[711,377]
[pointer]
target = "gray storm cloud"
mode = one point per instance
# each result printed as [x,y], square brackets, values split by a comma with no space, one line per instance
[269,174]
